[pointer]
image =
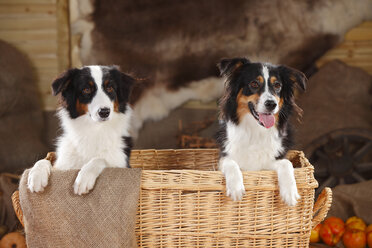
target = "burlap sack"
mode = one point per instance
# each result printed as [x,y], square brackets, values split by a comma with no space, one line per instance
[352,200]
[106,217]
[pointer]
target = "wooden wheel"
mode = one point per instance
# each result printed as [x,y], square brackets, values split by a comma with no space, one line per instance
[342,156]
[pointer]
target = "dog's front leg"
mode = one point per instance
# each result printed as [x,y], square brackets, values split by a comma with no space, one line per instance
[287,182]
[234,178]
[87,176]
[39,175]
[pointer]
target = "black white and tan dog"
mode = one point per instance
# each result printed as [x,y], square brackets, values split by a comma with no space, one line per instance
[95,117]
[255,132]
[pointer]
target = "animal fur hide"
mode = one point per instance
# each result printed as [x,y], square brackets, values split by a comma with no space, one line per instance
[176,44]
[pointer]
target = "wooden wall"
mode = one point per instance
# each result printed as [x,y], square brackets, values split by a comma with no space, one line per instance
[355,50]
[39,28]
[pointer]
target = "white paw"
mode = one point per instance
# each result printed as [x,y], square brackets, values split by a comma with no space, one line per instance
[39,175]
[235,188]
[84,182]
[289,193]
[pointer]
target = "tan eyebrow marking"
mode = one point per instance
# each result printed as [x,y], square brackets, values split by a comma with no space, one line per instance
[260,79]
[273,79]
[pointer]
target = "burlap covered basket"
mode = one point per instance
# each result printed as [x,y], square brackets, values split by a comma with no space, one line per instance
[183,204]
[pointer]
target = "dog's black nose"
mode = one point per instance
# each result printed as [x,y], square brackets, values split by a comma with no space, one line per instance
[104,112]
[270,105]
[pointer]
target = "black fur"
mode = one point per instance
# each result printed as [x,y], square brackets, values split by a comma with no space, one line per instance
[70,85]
[221,138]
[227,66]
[123,88]
[239,73]
[128,141]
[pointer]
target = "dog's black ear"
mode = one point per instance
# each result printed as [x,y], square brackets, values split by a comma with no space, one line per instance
[228,66]
[124,87]
[293,76]
[63,80]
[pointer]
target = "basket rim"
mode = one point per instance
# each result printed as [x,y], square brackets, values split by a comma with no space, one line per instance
[290,154]
[197,180]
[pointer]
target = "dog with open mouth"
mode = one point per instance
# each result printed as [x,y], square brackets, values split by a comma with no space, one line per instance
[255,133]
[95,115]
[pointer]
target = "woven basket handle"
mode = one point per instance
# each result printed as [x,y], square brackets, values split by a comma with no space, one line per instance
[17,207]
[321,206]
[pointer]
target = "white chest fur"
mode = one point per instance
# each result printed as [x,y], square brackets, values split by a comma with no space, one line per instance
[252,146]
[83,140]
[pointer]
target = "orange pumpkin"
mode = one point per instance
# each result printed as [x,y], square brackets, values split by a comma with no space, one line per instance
[13,240]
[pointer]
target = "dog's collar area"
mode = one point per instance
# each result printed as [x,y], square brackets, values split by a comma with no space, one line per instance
[254,113]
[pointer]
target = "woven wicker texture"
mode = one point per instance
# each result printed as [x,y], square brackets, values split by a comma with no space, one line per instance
[183,204]
[187,207]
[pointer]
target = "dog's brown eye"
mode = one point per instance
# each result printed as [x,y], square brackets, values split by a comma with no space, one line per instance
[254,84]
[277,85]
[109,89]
[87,91]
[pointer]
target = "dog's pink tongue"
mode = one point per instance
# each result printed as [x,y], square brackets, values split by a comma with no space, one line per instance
[267,120]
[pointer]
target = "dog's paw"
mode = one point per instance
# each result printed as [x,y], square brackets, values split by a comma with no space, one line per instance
[84,182]
[289,193]
[39,176]
[235,188]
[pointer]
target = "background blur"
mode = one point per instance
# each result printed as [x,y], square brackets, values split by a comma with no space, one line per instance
[175,43]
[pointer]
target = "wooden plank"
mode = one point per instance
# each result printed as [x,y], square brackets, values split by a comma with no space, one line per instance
[364,49]
[366,24]
[42,47]
[354,44]
[63,35]
[361,33]
[48,71]
[358,62]
[24,16]
[44,62]
[36,56]
[355,50]
[28,24]
[22,35]
[350,54]
[30,8]
[27,1]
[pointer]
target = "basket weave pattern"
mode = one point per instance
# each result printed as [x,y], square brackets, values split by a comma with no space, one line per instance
[187,207]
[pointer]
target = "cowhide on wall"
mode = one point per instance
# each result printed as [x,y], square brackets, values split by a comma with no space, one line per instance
[173,43]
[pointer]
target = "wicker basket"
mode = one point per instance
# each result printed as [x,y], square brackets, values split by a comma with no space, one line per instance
[183,204]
